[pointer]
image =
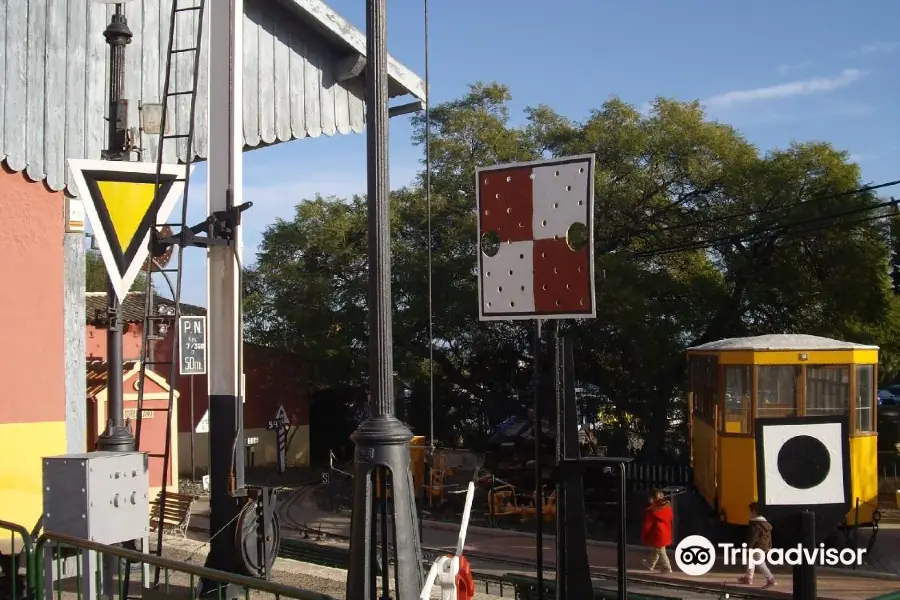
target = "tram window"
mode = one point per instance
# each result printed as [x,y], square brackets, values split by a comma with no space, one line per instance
[738,399]
[865,397]
[827,391]
[777,392]
[703,384]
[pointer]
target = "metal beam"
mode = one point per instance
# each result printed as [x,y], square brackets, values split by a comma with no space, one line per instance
[405,109]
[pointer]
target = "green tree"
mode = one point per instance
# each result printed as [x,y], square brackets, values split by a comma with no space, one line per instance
[698,236]
[96,278]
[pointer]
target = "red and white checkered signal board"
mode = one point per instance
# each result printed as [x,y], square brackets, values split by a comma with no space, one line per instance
[535,240]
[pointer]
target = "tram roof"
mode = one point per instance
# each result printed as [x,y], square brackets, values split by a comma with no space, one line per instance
[790,341]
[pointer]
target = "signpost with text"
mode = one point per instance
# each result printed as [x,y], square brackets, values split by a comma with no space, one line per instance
[192,345]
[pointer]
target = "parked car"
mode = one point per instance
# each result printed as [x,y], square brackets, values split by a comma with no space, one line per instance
[889,402]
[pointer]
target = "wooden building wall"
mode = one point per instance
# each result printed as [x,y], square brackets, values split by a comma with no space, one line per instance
[302,78]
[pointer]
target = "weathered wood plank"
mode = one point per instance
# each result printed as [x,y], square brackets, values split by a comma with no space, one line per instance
[266,76]
[356,99]
[298,85]
[76,69]
[16,114]
[95,82]
[251,74]
[291,86]
[185,37]
[150,66]
[282,81]
[349,67]
[165,15]
[37,51]
[5,50]
[55,120]
[326,93]
[312,78]
[134,73]
[201,145]
[341,107]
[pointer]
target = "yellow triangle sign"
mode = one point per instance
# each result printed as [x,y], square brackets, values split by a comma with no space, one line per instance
[126,203]
[123,203]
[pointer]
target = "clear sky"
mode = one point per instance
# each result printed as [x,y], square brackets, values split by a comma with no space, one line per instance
[777,70]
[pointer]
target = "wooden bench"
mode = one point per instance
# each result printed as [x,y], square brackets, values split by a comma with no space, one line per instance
[177,513]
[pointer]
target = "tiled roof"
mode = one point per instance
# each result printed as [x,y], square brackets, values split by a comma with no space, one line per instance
[133,308]
[96,375]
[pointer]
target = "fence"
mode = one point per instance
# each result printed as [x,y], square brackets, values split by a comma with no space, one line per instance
[53,567]
[16,557]
[642,476]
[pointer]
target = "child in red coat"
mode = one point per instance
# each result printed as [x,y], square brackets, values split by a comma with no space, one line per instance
[657,531]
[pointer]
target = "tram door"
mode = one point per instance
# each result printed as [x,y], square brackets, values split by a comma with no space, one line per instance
[704,424]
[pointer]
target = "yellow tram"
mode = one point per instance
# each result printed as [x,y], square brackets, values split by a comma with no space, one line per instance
[734,381]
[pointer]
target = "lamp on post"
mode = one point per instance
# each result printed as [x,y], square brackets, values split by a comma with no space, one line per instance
[118,35]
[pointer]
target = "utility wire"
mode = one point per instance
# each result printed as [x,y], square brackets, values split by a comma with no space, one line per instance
[749,213]
[798,232]
[754,233]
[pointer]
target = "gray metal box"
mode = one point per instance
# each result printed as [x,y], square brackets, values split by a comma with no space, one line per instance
[97,496]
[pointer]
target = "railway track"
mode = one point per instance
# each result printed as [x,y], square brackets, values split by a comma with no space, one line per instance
[316,549]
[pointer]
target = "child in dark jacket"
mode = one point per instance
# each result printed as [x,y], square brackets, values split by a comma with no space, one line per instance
[657,531]
[759,536]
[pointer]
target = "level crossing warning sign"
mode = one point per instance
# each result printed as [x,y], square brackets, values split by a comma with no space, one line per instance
[119,199]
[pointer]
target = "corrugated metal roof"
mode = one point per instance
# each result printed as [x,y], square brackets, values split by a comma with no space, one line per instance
[782,342]
[56,56]
[133,308]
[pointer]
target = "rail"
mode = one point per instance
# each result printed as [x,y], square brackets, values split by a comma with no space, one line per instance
[194,572]
[19,555]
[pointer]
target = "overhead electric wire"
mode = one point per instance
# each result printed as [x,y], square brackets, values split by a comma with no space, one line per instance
[771,227]
[751,237]
[749,213]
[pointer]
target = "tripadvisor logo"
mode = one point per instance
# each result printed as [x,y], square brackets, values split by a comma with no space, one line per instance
[695,555]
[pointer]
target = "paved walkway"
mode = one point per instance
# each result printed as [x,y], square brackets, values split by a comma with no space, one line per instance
[499,552]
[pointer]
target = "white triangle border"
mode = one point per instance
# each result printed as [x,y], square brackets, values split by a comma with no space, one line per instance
[121,284]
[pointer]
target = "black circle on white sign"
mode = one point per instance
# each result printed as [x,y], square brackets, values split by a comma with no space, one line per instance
[804,462]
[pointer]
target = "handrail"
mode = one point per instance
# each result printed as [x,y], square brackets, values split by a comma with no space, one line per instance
[28,549]
[166,563]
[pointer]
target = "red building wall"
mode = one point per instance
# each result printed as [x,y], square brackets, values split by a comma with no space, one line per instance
[272,378]
[33,403]
[31,319]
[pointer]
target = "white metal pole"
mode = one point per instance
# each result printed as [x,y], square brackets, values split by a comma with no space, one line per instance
[224,190]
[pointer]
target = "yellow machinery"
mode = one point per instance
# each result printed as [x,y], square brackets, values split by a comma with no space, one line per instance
[417,465]
[734,381]
[504,501]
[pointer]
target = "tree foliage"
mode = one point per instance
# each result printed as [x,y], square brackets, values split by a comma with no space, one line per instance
[96,278]
[698,236]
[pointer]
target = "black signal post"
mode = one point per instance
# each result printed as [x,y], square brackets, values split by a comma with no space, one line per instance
[382,441]
[117,436]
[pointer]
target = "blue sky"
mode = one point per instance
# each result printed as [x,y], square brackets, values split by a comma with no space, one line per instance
[778,71]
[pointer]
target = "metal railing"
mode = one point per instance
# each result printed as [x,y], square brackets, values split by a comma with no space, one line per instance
[642,476]
[18,556]
[175,575]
